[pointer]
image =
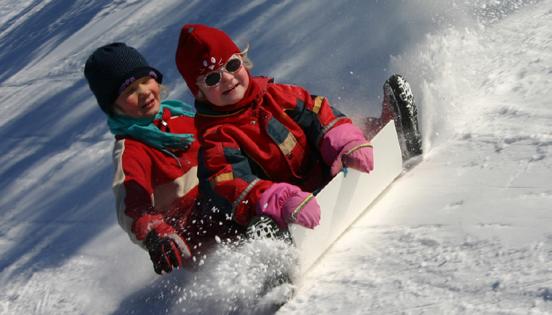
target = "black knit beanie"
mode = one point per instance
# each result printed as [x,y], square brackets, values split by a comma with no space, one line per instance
[112,68]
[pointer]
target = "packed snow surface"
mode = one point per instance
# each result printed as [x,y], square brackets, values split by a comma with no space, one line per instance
[467,231]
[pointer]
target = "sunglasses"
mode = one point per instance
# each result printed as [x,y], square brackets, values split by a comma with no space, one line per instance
[212,79]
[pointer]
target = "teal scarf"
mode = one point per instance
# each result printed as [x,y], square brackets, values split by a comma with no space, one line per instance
[143,129]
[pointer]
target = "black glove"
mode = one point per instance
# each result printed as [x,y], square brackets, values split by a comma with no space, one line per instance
[167,251]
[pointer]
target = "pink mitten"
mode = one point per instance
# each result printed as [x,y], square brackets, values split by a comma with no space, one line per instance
[345,145]
[359,156]
[286,203]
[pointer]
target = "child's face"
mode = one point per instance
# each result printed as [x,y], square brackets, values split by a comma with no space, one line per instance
[229,90]
[140,99]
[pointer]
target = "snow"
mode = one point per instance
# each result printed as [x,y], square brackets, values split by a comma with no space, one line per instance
[466,231]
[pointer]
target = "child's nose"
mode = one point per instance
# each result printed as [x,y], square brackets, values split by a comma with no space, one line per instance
[143,89]
[227,76]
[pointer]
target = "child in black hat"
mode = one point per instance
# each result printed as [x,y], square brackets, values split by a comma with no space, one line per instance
[155,157]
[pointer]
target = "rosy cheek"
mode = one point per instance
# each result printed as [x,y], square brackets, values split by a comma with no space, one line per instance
[244,77]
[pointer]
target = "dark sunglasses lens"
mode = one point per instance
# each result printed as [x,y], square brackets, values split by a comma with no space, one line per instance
[233,65]
[212,79]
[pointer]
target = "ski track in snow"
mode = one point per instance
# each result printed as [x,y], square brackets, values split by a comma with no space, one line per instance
[465,232]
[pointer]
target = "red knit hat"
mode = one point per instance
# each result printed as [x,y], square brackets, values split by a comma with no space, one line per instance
[202,49]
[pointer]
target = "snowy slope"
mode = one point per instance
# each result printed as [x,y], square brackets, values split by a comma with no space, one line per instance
[467,231]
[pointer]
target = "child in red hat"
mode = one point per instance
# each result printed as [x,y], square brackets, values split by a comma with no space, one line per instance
[265,147]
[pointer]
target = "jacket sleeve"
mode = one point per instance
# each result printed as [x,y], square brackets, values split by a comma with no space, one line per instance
[319,120]
[133,191]
[226,176]
[312,113]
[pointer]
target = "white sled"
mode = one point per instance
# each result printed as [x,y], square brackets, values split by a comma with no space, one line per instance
[347,196]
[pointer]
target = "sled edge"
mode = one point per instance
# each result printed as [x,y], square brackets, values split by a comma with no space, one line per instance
[347,196]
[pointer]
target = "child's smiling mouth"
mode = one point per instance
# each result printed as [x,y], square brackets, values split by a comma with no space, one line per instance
[231,89]
[149,103]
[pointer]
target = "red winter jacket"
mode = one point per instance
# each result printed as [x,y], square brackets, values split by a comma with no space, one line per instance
[275,137]
[150,182]
[153,186]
